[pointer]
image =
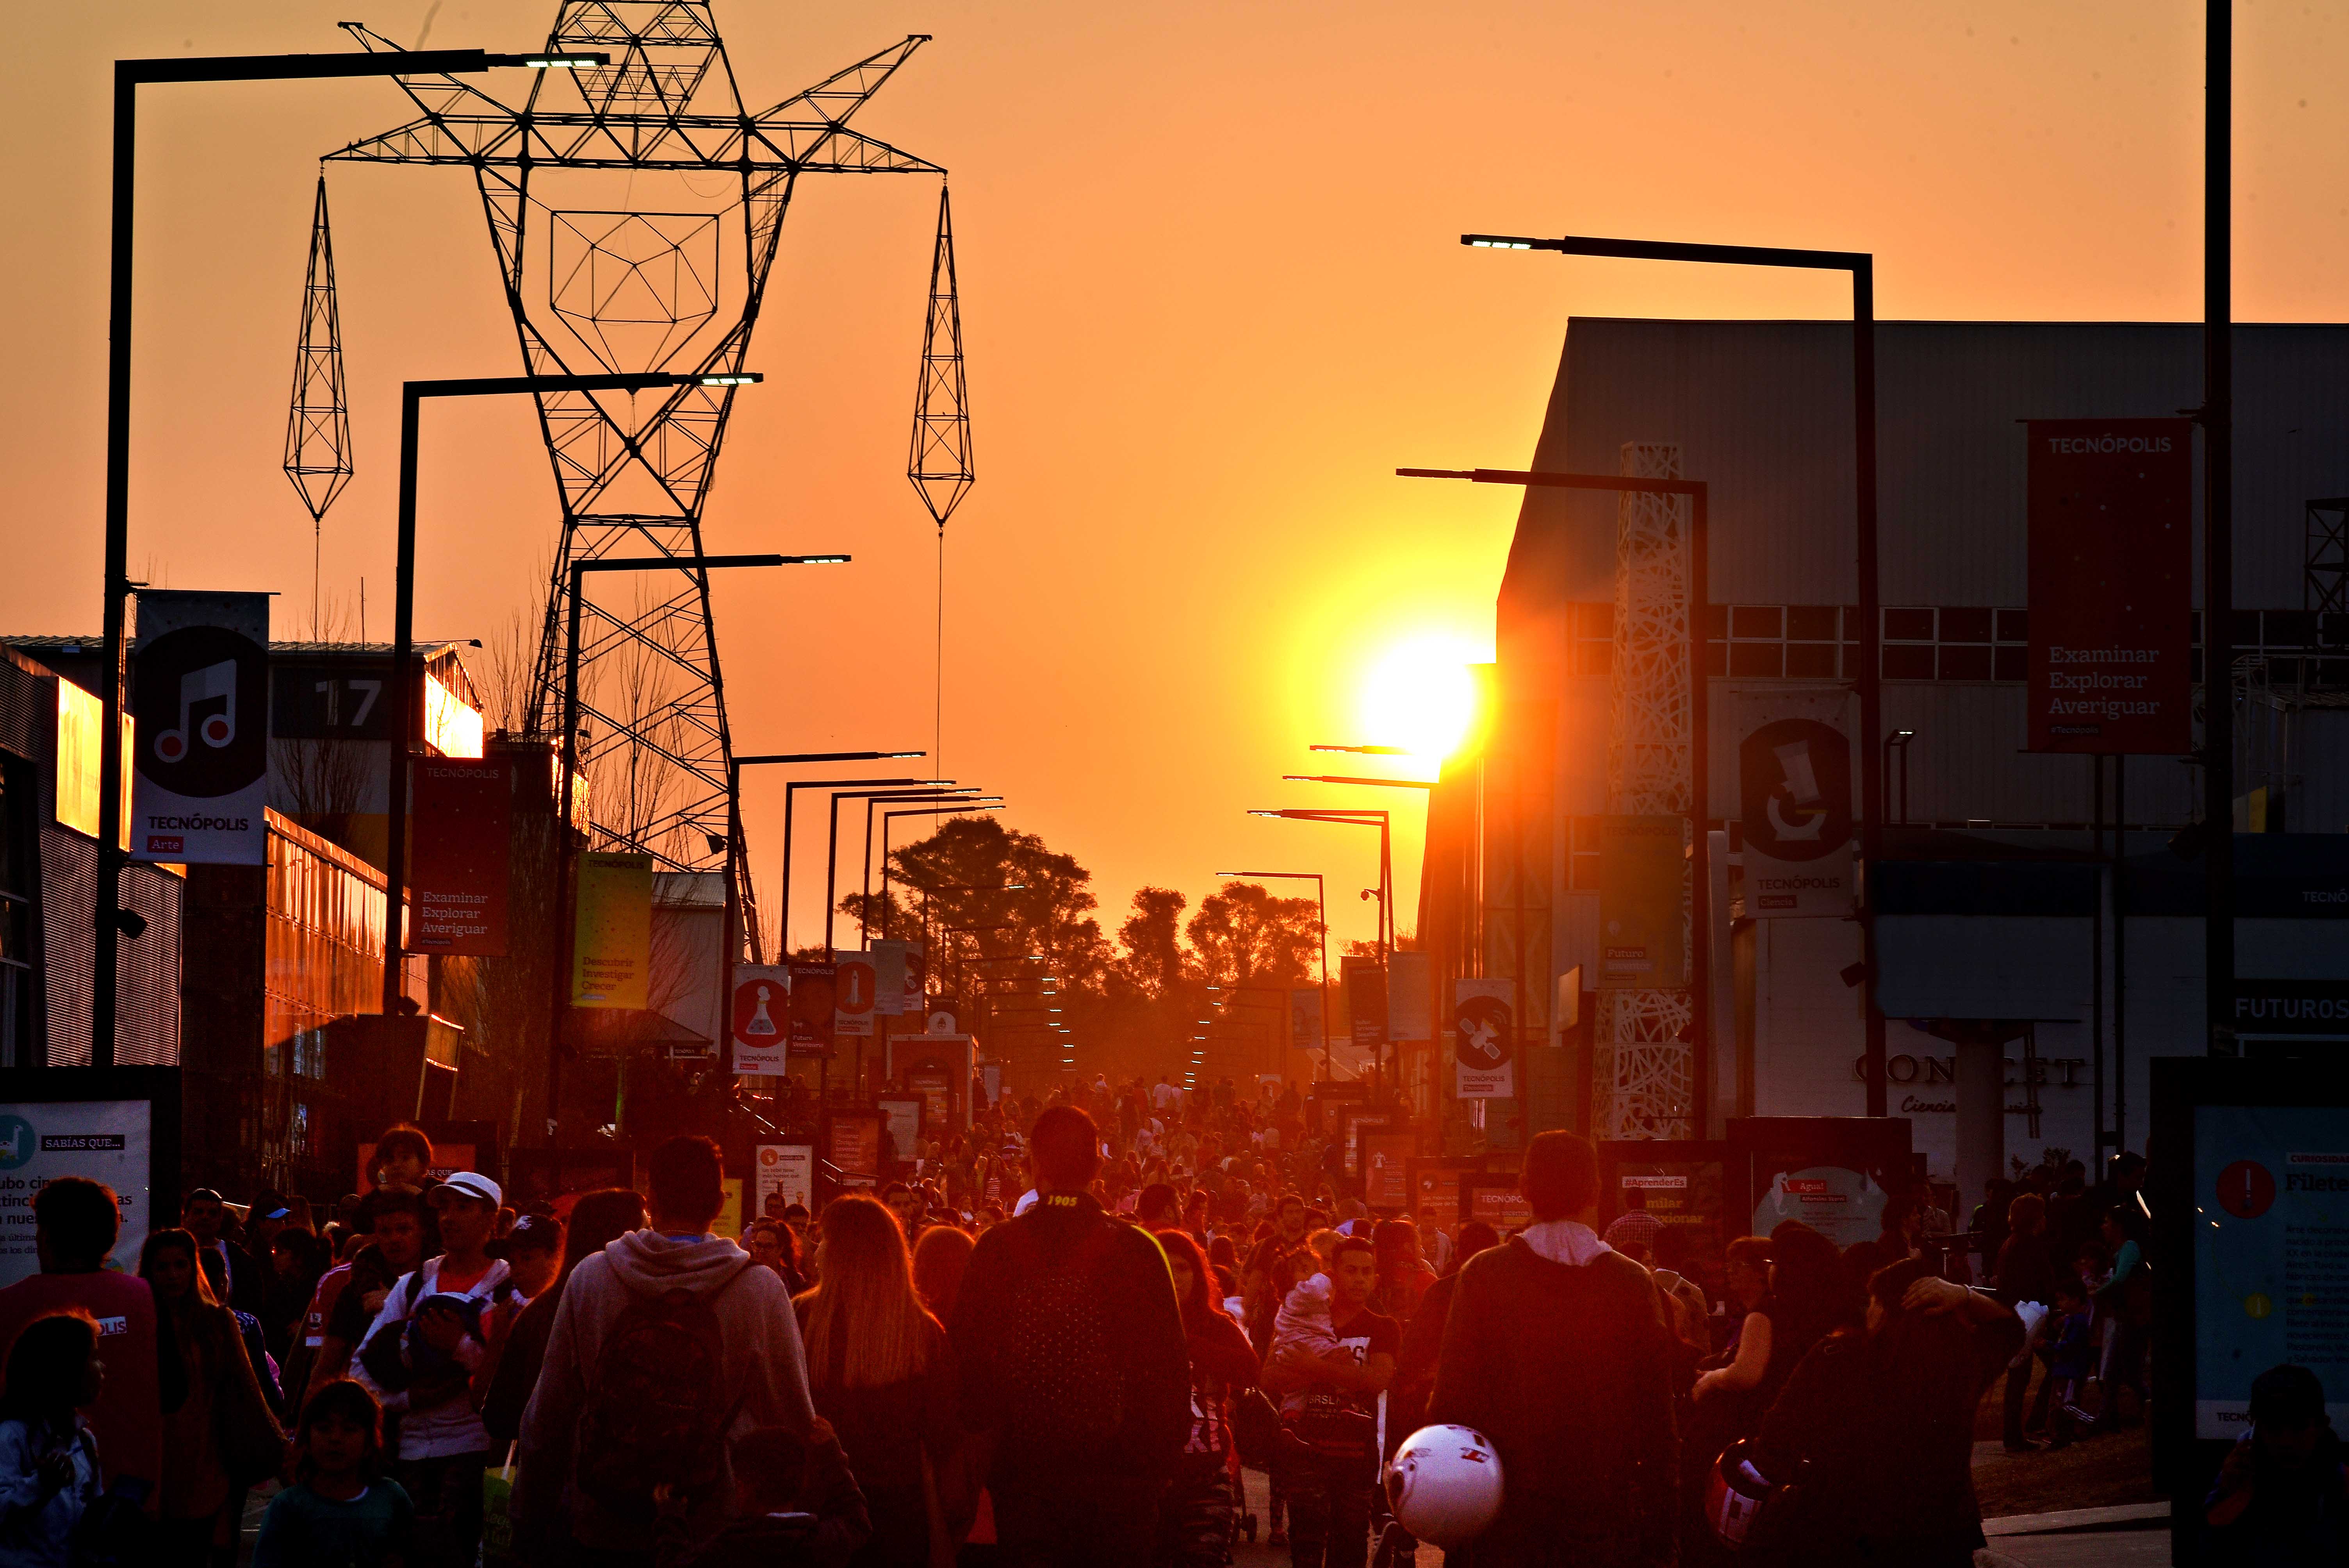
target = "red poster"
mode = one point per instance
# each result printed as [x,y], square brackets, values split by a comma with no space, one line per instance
[2112,585]
[1386,1185]
[459,857]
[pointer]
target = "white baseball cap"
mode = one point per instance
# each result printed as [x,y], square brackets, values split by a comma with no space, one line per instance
[472,1184]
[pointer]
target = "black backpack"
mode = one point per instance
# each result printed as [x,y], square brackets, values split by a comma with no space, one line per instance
[660,1405]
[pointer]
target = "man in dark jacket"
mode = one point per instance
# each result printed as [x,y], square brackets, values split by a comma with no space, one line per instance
[1075,1363]
[1556,1349]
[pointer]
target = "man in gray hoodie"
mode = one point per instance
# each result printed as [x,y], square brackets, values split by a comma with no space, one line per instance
[761,1372]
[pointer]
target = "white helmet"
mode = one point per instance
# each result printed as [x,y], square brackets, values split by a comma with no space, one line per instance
[1443,1485]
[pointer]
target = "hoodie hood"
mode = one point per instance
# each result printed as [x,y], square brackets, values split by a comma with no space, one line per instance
[651,1264]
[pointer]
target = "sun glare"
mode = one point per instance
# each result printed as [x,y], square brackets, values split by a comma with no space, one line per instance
[1420,697]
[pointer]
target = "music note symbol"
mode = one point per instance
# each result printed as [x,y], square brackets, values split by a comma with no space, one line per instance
[217,729]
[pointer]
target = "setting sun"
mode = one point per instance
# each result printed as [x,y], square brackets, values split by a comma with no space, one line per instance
[1420,696]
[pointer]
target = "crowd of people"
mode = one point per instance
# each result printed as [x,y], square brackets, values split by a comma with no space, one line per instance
[1059,1343]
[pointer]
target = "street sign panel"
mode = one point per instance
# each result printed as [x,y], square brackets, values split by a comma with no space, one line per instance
[759,1019]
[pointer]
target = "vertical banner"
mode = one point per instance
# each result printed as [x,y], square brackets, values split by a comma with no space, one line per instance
[201,770]
[813,1003]
[1484,1033]
[785,1171]
[612,942]
[1305,1019]
[1411,1006]
[461,856]
[1642,897]
[1794,801]
[2112,585]
[759,1018]
[1366,1000]
[853,996]
[889,998]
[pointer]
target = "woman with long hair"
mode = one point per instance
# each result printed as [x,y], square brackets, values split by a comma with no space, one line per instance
[597,1219]
[219,1434]
[880,1371]
[940,1258]
[1884,1415]
[1403,1275]
[1200,1507]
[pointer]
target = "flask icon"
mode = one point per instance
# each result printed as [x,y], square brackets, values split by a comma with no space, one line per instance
[761,1023]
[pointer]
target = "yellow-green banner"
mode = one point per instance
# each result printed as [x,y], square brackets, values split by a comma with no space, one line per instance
[612,944]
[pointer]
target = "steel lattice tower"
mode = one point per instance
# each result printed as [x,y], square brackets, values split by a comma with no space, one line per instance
[616,255]
[1646,1069]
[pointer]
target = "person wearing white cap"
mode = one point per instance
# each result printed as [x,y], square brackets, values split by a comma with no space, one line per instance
[419,1360]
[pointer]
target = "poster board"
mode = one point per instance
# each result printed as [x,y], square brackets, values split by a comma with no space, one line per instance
[1493,1198]
[461,855]
[855,1148]
[119,1126]
[783,1169]
[2248,1213]
[1386,1158]
[902,1119]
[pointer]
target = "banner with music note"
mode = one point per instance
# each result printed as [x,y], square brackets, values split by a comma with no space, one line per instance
[200,687]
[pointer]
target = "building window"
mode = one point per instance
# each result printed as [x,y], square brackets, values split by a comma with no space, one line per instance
[1590,631]
[19,883]
[1955,642]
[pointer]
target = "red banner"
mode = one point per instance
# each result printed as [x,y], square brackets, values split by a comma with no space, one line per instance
[459,857]
[2112,585]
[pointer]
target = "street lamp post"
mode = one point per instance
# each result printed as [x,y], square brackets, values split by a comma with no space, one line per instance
[1321,900]
[1362,819]
[889,816]
[561,988]
[129,75]
[832,836]
[1861,265]
[864,919]
[791,798]
[399,710]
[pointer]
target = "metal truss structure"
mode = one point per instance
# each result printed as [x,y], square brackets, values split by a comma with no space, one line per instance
[1647,1068]
[318,413]
[617,256]
[939,465]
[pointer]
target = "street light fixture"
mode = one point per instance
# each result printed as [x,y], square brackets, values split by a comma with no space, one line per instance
[1368,751]
[129,75]
[1321,898]
[889,816]
[790,797]
[863,921]
[832,841]
[1359,818]
[399,710]
[1861,265]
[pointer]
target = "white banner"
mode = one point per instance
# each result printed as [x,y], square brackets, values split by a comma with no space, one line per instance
[786,1170]
[1305,1019]
[759,1018]
[40,1140]
[1484,1038]
[889,969]
[200,773]
[1796,802]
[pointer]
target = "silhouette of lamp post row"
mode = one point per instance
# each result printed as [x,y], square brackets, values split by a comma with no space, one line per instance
[1321,900]
[1861,265]
[790,801]
[832,841]
[129,75]
[1385,894]
[578,570]
[399,706]
[889,816]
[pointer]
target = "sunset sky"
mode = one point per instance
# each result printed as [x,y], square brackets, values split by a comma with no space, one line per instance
[1213,296]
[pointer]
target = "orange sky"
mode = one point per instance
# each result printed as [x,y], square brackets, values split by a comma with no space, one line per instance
[1213,296]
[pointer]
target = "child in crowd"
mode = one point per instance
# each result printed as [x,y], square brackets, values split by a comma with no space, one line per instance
[48,1460]
[797,1507]
[1303,1321]
[2070,1352]
[341,1509]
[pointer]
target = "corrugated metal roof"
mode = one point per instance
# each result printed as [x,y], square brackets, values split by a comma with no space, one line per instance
[1763,411]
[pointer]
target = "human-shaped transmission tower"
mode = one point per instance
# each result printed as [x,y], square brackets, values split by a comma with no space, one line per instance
[634,210]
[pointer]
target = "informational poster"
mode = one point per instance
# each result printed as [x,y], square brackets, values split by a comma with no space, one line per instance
[1795,801]
[2271,1265]
[1366,1000]
[201,770]
[1496,1201]
[784,1170]
[459,857]
[1386,1155]
[1357,1127]
[935,1089]
[1841,1205]
[1304,1018]
[856,1143]
[890,999]
[1677,1191]
[1436,1191]
[1410,1005]
[853,996]
[80,721]
[814,1005]
[1484,1037]
[1642,898]
[759,1018]
[104,1139]
[2112,585]
[902,1121]
[612,943]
